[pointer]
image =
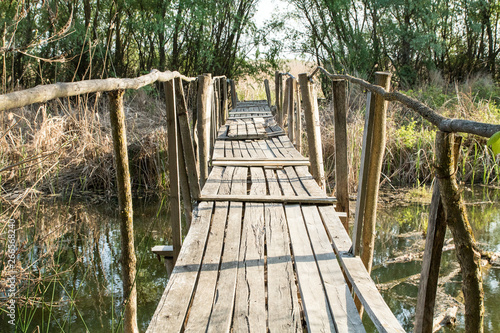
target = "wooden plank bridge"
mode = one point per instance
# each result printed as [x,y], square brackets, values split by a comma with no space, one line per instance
[266,250]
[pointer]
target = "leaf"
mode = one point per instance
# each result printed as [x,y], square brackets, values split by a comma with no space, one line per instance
[494,143]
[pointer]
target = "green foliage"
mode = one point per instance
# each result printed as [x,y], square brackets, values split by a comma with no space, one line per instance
[494,143]
[53,41]
[410,38]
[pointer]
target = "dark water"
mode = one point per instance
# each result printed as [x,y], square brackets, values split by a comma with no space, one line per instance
[399,233]
[75,268]
[81,286]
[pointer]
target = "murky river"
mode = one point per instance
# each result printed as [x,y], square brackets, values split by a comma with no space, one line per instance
[73,252]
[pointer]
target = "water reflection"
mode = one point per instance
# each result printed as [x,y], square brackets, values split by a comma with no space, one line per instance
[400,233]
[72,255]
[72,278]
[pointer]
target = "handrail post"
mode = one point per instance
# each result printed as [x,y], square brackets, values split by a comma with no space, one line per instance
[298,121]
[224,101]
[268,92]
[311,112]
[118,130]
[187,143]
[341,165]
[291,114]
[284,108]
[173,167]
[204,106]
[234,95]
[277,79]
[377,150]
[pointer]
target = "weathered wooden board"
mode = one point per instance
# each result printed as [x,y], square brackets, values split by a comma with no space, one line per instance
[250,306]
[314,300]
[345,313]
[173,306]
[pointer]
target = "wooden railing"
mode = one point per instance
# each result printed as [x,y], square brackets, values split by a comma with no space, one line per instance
[447,206]
[187,169]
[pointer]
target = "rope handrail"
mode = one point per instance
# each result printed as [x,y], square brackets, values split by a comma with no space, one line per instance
[44,93]
[444,124]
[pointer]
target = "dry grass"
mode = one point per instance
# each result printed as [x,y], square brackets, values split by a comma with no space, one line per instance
[65,146]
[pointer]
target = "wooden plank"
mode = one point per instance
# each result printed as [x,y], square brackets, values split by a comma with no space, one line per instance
[233,130]
[266,149]
[314,301]
[222,310]
[218,149]
[285,184]
[163,250]
[296,183]
[263,115]
[260,159]
[338,235]
[258,163]
[251,129]
[345,313]
[201,308]
[244,150]
[251,149]
[228,149]
[258,149]
[366,290]
[287,144]
[270,198]
[173,306]
[250,304]
[236,148]
[283,307]
[274,149]
[308,181]
[213,182]
[242,128]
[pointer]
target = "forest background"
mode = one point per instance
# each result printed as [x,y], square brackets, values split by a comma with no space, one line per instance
[442,52]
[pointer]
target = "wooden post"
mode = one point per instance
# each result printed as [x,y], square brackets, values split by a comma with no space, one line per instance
[377,150]
[465,244]
[173,167]
[284,108]
[234,96]
[187,143]
[268,92]
[214,119]
[224,101]
[341,165]
[311,113]
[204,110]
[290,105]
[277,93]
[436,230]
[128,259]
[363,177]
[298,123]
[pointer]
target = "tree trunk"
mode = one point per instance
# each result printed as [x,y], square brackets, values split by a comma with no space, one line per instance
[128,258]
[456,217]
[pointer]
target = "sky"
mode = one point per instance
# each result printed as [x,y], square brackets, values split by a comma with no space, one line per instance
[265,10]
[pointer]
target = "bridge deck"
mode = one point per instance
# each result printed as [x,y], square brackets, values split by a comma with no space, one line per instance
[272,264]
